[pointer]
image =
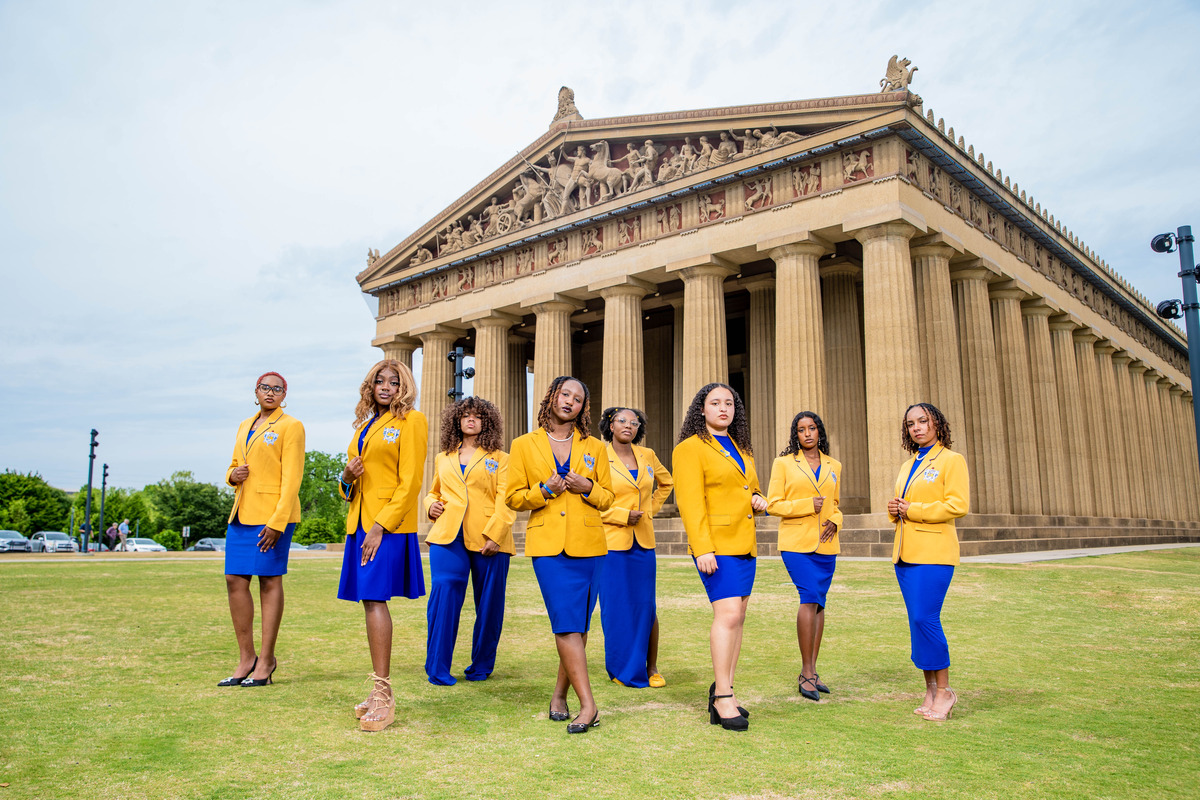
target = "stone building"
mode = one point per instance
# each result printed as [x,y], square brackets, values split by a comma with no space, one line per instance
[846,255]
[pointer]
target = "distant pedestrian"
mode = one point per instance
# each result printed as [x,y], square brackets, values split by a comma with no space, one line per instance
[123,532]
[111,534]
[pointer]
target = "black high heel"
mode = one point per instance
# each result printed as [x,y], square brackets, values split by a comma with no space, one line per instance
[582,727]
[234,680]
[822,688]
[264,681]
[809,694]
[712,690]
[738,723]
[559,716]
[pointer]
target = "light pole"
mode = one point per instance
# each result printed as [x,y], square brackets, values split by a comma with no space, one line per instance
[456,358]
[87,512]
[1189,308]
[103,487]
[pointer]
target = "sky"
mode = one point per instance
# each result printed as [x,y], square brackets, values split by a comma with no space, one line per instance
[187,190]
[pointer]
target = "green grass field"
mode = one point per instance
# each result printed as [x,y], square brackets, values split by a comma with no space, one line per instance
[1077,679]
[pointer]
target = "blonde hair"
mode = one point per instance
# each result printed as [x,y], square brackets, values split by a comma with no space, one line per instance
[401,404]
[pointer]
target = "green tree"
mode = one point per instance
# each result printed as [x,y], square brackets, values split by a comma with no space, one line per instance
[170,540]
[319,529]
[119,504]
[45,505]
[319,495]
[14,517]
[182,500]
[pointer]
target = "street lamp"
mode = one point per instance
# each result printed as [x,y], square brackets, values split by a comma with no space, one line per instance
[1190,308]
[456,358]
[87,512]
[103,487]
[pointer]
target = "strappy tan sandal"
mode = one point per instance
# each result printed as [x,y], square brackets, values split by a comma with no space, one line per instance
[381,706]
[361,708]
[937,716]
[923,709]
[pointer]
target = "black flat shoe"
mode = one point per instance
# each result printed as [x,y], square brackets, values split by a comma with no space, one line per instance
[234,680]
[738,723]
[810,693]
[560,716]
[263,681]
[712,690]
[582,727]
[822,688]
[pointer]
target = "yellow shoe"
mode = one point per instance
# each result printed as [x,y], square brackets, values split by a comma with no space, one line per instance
[617,682]
[657,681]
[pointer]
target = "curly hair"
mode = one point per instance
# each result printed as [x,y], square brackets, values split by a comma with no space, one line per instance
[694,425]
[606,421]
[793,445]
[491,424]
[583,422]
[939,422]
[401,404]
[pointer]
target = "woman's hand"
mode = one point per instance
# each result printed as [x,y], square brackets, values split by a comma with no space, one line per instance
[239,474]
[828,531]
[267,538]
[635,516]
[436,509]
[707,563]
[898,507]
[817,503]
[370,543]
[758,502]
[555,484]
[353,470]
[578,484]
[489,548]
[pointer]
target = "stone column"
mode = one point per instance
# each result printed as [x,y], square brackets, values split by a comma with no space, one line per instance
[1132,441]
[1052,460]
[1185,487]
[516,420]
[893,361]
[1187,429]
[491,356]
[1170,447]
[1118,461]
[845,414]
[799,334]
[1097,425]
[1159,507]
[766,437]
[552,341]
[397,346]
[1141,440]
[941,368]
[1012,358]
[1074,426]
[983,421]
[678,401]
[623,379]
[705,346]
[437,378]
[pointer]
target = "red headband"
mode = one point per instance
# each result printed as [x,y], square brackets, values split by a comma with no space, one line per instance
[277,375]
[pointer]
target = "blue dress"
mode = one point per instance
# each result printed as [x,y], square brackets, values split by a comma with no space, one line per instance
[242,556]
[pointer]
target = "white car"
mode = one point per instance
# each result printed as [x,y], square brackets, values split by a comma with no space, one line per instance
[143,546]
[52,542]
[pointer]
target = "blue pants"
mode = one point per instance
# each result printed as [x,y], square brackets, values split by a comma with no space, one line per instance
[924,588]
[449,567]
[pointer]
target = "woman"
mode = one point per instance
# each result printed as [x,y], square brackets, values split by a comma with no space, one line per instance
[382,483]
[805,493]
[641,485]
[471,537]
[560,474]
[265,471]
[718,495]
[932,490]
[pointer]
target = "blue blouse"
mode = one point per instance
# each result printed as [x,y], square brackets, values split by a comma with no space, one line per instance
[727,444]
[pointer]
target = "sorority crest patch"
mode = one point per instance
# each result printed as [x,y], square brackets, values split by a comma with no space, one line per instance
[833,475]
[491,464]
[931,474]
[390,435]
[650,471]
[589,460]
[269,437]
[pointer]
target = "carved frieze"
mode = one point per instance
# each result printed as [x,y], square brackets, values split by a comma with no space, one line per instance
[806,179]
[711,206]
[592,241]
[670,218]
[629,231]
[758,193]
[556,251]
[858,165]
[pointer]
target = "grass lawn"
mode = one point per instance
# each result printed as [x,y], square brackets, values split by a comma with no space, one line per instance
[1077,679]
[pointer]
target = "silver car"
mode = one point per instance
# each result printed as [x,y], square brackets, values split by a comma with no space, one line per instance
[144,545]
[13,542]
[52,542]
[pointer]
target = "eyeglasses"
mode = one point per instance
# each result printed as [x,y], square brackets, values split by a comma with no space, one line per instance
[262,387]
[633,423]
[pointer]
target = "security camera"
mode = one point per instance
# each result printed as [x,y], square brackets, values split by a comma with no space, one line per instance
[452,357]
[1163,243]
[469,372]
[1169,309]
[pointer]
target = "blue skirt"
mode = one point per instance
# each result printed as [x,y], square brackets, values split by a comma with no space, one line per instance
[569,588]
[924,588]
[394,572]
[734,577]
[812,573]
[242,556]
[627,610]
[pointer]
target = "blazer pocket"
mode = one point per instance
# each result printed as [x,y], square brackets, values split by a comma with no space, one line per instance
[927,529]
[718,520]
[535,521]
[592,520]
[489,510]
[385,494]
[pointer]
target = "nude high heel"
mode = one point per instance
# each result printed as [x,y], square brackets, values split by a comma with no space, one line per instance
[381,706]
[936,716]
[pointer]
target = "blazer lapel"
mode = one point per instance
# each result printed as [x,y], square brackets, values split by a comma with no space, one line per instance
[543,446]
[266,426]
[376,427]
[618,466]
[472,463]
[714,444]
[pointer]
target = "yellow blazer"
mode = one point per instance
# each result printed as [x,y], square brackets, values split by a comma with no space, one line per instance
[270,495]
[940,492]
[567,523]
[647,493]
[790,497]
[470,499]
[388,491]
[713,496]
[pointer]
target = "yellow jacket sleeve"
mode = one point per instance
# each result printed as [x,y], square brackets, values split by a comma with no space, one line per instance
[956,501]
[778,503]
[665,483]
[689,494]
[499,527]
[410,464]
[291,466]
[523,491]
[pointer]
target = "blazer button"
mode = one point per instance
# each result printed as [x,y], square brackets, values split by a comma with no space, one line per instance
[749,516]
[562,513]
[746,487]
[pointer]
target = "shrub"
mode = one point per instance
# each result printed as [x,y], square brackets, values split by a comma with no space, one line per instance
[318,529]
[170,540]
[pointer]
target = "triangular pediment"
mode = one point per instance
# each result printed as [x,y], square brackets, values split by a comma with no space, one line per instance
[585,169]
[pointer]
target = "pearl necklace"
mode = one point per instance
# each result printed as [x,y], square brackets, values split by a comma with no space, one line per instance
[555,438]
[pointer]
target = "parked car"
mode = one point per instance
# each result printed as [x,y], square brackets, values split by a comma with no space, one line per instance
[318,546]
[13,542]
[144,545]
[52,542]
[97,547]
[297,546]
[210,545]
